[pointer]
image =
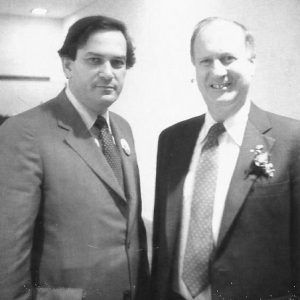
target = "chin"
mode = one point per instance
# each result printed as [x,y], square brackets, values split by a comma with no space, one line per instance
[108,100]
[108,97]
[226,99]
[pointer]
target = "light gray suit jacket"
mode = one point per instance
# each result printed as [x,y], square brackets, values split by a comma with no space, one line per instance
[67,229]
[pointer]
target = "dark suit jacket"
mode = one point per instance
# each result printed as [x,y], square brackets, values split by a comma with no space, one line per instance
[258,251]
[67,229]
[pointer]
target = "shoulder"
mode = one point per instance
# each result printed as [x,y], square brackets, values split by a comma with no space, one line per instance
[279,126]
[281,122]
[179,136]
[286,131]
[284,127]
[183,128]
[29,122]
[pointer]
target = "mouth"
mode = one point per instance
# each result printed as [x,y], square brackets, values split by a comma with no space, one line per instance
[106,87]
[220,86]
[103,85]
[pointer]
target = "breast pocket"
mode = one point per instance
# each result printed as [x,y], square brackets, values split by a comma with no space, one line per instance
[270,189]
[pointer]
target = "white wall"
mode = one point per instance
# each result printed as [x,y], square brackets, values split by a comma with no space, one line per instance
[28,46]
[158,91]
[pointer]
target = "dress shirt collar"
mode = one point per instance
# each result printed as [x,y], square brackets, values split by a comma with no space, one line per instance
[235,125]
[88,116]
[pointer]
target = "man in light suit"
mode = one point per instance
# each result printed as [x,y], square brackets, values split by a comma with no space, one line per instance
[248,246]
[70,218]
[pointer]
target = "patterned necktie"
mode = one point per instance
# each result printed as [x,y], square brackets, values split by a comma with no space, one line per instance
[109,148]
[199,244]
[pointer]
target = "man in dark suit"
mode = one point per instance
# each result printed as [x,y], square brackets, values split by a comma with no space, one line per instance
[227,206]
[70,218]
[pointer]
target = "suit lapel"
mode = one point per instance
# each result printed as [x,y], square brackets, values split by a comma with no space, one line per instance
[180,150]
[127,159]
[81,141]
[130,172]
[256,133]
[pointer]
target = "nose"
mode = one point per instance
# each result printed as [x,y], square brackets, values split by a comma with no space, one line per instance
[218,68]
[106,71]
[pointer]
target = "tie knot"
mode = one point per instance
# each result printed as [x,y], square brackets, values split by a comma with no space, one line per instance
[100,123]
[213,134]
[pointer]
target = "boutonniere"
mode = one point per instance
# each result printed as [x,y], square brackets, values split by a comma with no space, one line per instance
[261,164]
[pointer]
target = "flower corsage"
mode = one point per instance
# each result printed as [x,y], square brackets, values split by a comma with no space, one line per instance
[261,164]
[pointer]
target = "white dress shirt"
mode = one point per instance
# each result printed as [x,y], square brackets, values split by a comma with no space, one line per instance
[88,117]
[229,148]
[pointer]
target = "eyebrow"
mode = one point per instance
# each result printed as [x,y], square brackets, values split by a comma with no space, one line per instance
[219,55]
[100,55]
[229,54]
[204,57]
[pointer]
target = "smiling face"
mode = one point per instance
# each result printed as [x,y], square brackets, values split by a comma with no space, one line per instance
[224,68]
[97,74]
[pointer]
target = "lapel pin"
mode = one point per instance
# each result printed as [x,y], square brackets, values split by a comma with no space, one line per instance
[125,147]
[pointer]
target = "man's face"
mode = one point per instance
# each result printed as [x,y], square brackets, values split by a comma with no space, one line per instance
[97,74]
[223,68]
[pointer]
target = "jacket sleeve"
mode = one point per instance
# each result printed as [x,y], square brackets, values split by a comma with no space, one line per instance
[295,212]
[158,274]
[20,181]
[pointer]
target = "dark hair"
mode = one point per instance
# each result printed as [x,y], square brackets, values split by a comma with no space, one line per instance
[81,30]
[249,39]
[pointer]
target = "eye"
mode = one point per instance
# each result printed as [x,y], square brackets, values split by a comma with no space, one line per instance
[95,60]
[118,63]
[228,59]
[205,62]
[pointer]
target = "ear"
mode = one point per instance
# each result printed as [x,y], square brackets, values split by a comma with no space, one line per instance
[67,64]
[252,61]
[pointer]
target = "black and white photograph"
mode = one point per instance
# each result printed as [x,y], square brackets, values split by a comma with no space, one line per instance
[149,150]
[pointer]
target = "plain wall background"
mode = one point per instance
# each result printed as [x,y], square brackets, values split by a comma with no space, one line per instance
[158,91]
[28,47]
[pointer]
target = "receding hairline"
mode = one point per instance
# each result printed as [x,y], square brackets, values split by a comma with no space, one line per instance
[249,39]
